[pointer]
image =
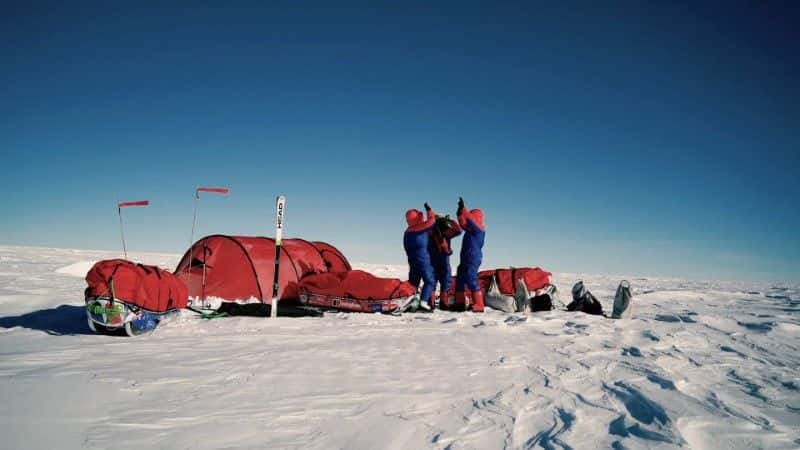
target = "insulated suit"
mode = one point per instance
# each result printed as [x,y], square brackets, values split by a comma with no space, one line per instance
[415,242]
[440,251]
[471,256]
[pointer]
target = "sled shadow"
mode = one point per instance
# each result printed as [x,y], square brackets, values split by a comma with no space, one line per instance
[59,321]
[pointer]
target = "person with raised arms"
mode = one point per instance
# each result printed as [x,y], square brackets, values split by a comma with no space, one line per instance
[471,221]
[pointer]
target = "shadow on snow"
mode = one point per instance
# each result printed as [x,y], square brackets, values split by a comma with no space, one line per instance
[59,321]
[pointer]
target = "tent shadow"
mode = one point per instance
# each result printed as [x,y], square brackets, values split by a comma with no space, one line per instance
[59,321]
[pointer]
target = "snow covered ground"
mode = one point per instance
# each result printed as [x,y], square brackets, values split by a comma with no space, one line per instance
[700,365]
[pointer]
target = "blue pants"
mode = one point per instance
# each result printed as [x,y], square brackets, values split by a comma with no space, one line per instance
[441,269]
[467,276]
[428,280]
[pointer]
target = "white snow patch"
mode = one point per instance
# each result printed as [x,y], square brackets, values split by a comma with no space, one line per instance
[78,269]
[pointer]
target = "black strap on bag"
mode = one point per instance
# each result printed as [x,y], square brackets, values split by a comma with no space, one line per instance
[148,269]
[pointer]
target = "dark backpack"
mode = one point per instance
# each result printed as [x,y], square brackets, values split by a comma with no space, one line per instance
[541,302]
[441,233]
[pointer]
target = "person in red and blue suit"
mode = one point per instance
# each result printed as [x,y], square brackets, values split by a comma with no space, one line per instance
[440,251]
[471,256]
[415,242]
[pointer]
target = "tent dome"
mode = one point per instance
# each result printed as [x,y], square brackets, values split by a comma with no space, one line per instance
[242,267]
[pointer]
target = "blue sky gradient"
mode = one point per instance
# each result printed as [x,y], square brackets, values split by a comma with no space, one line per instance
[649,139]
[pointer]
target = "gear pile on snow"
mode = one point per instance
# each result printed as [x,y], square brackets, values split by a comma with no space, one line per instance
[146,287]
[123,294]
[518,289]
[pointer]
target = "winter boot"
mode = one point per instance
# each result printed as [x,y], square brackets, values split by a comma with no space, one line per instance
[444,301]
[477,301]
[425,303]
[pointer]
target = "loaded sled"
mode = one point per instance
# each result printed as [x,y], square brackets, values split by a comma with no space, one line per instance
[356,291]
[130,297]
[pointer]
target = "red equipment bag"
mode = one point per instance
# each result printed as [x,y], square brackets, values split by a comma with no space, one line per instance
[147,287]
[354,290]
[535,278]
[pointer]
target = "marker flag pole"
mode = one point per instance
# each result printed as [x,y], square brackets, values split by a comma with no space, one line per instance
[121,205]
[122,232]
[197,191]
[213,190]
[280,205]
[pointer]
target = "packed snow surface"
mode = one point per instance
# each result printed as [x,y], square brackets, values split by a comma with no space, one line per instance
[700,365]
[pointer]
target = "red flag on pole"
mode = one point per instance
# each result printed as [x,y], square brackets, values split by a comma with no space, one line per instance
[136,203]
[215,190]
[121,205]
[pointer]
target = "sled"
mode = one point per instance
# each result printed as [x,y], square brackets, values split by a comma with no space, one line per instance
[356,291]
[123,295]
[326,301]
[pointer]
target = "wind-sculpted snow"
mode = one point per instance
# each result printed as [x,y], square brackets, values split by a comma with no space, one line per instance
[703,365]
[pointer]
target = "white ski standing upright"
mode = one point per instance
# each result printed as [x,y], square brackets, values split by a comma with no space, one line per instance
[280,204]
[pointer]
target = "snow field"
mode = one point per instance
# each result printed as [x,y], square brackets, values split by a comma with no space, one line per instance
[701,365]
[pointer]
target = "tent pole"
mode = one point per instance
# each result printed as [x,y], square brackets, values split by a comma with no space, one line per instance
[191,236]
[203,288]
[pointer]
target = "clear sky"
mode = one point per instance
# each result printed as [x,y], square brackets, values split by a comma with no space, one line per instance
[644,138]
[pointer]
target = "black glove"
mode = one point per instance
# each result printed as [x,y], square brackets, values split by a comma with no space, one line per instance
[460,205]
[427,206]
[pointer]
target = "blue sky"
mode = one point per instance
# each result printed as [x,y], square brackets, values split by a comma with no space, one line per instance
[645,139]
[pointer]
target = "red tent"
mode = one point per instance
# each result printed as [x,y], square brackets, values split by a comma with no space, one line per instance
[242,267]
[334,259]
